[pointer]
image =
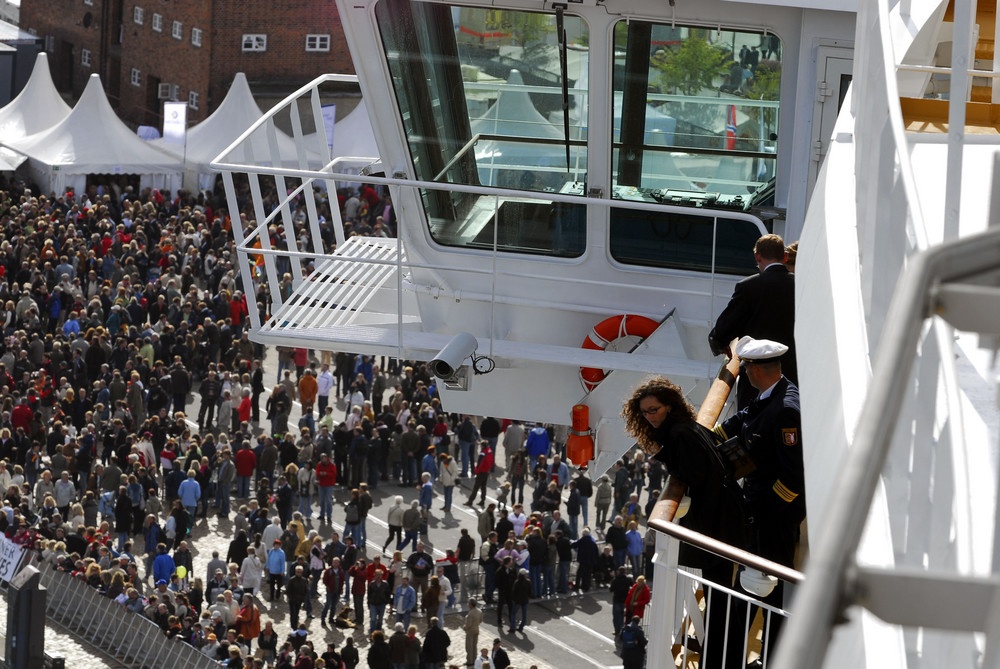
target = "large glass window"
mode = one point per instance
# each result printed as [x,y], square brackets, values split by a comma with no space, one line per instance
[481,96]
[696,241]
[696,109]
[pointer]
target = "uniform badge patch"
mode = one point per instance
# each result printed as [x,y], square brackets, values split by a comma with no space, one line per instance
[790,436]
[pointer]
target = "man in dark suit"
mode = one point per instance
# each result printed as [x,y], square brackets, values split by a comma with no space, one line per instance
[763,307]
[499,656]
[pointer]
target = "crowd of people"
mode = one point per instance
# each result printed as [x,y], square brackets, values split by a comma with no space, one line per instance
[131,407]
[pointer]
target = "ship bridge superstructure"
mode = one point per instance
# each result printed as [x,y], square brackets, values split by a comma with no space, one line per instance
[550,167]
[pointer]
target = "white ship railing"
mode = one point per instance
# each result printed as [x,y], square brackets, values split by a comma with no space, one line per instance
[901,531]
[398,324]
[679,593]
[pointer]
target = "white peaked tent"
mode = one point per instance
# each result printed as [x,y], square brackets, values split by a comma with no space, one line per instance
[353,136]
[509,163]
[206,140]
[36,108]
[92,140]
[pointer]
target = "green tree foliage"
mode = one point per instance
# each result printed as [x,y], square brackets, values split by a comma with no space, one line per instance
[691,67]
[765,85]
[529,30]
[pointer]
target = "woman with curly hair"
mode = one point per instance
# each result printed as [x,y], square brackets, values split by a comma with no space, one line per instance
[663,422]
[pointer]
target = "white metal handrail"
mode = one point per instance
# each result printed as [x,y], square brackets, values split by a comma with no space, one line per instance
[828,589]
[673,604]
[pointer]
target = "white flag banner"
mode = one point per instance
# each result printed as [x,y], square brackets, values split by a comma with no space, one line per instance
[329,116]
[174,122]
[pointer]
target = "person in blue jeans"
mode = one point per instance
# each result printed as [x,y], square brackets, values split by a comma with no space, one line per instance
[190,492]
[404,601]
[520,594]
[619,542]
[635,548]
[412,519]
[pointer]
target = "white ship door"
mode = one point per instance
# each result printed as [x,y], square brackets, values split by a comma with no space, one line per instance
[834,66]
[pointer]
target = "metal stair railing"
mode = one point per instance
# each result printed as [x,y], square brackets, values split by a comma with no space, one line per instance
[953,281]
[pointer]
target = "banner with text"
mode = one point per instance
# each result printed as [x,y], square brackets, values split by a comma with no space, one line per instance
[10,558]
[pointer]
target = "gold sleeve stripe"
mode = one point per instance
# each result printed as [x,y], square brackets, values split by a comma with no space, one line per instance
[783,492]
[719,431]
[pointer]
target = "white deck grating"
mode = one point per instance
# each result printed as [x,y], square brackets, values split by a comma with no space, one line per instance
[339,289]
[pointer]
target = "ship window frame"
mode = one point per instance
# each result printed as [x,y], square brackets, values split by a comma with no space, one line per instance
[421,50]
[675,240]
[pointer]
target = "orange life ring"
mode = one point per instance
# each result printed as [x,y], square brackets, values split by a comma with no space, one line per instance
[608,331]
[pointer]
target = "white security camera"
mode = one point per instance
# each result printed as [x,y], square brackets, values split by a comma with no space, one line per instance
[446,364]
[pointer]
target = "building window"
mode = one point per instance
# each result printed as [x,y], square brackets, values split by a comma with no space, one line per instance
[136,77]
[157,23]
[317,42]
[50,43]
[255,42]
[85,57]
[193,99]
[139,15]
[196,36]
[89,2]
[177,31]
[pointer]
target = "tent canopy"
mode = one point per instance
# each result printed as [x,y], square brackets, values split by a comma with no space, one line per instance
[36,108]
[237,112]
[92,140]
[353,136]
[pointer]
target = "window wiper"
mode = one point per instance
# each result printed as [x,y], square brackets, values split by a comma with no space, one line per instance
[561,30]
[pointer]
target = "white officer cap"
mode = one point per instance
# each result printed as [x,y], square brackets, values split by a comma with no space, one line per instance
[749,348]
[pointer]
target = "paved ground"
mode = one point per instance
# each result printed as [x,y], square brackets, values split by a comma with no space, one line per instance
[59,643]
[562,631]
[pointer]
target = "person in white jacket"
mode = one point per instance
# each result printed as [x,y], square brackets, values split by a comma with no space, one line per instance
[395,521]
[448,474]
[447,591]
[251,572]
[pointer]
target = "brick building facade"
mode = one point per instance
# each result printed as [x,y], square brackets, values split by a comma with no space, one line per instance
[149,51]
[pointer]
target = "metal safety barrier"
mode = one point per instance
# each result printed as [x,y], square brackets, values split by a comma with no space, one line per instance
[132,639]
[687,631]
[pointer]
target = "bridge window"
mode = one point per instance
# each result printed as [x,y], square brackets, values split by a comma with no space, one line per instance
[480,92]
[695,110]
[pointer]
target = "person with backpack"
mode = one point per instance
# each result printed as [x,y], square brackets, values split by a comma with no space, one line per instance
[633,645]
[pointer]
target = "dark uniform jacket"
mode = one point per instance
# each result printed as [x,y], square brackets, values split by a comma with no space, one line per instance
[763,307]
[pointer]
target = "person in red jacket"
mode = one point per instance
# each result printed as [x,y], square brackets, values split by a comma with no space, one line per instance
[483,467]
[326,478]
[244,408]
[21,416]
[246,464]
[637,599]
[359,586]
